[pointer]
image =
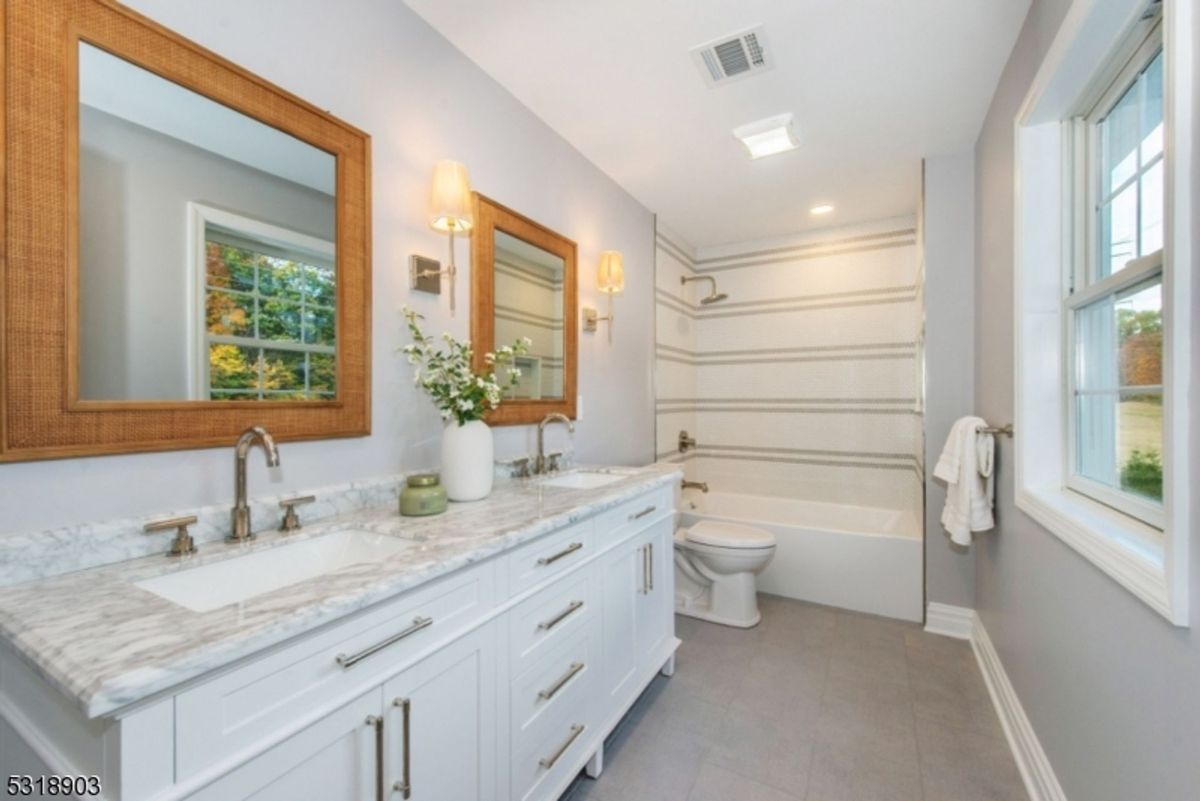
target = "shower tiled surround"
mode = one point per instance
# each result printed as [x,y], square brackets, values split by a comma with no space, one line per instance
[528,303]
[805,383]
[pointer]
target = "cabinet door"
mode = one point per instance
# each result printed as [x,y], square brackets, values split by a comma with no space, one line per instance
[655,600]
[441,724]
[621,586]
[334,759]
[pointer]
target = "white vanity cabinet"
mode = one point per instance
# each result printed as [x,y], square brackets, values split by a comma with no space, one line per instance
[496,682]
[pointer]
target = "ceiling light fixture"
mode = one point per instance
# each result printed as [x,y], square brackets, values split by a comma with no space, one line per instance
[768,137]
[824,208]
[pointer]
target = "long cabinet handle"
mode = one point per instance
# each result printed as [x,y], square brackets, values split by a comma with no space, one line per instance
[404,786]
[376,722]
[417,624]
[548,762]
[650,571]
[642,513]
[553,689]
[645,549]
[570,549]
[572,607]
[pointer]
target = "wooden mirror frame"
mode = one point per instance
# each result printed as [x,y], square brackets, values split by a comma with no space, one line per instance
[41,416]
[491,216]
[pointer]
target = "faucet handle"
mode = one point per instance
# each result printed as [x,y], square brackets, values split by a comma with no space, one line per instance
[519,465]
[553,461]
[183,544]
[291,520]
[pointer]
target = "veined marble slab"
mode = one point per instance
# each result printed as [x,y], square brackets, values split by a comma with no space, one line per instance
[53,552]
[106,643]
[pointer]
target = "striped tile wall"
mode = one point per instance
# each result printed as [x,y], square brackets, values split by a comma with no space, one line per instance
[805,382]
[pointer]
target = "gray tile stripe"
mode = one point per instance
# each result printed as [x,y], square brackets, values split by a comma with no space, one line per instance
[691,312]
[701,453]
[794,401]
[675,250]
[778,410]
[858,293]
[525,274]
[813,307]
[849,357]
[806,246]
[703,313]
[806,256]
[526,321]
[523,313]
[675,456]
[811,452]
[717,354]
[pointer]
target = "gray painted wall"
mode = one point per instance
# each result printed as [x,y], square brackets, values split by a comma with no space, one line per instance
[1112,689]
[949,219]
[377,65]
[135,184]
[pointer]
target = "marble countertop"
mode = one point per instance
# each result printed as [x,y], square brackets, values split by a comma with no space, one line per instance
[106,643]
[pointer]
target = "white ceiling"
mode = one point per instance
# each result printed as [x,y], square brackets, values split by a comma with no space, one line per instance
[875,85]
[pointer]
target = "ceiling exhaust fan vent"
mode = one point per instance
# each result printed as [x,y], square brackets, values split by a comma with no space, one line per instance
[729,58]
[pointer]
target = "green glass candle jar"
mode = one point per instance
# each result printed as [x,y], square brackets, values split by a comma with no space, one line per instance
[422,495]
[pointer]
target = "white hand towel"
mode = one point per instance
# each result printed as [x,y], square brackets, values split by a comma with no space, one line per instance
[966,467]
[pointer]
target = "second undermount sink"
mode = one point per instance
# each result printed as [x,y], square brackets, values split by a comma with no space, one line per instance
[240,578]
[584,479]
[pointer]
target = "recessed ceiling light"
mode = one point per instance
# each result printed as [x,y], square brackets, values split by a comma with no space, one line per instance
[767,137]
[824,208]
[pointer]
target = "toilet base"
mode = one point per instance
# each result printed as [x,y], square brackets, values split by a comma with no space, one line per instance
[702,613]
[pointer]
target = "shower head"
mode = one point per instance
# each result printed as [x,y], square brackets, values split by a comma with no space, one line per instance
[713,296]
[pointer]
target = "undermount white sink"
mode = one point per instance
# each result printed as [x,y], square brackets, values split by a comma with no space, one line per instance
[583,479]
[240,578]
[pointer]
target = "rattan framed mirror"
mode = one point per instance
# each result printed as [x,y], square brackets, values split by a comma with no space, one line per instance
[523,285]
[186,246]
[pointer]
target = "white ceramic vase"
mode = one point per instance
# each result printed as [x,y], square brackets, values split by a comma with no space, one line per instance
[467,460]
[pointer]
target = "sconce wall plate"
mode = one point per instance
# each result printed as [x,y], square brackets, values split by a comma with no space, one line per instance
[424,274]
[591,319]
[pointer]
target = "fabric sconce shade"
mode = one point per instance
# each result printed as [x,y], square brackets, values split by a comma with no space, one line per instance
[611,275]
[450,203]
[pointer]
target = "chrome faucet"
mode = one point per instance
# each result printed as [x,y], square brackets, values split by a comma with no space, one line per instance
[241,509]
[539,466]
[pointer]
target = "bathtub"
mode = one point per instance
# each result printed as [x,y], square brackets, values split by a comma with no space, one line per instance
[854,557]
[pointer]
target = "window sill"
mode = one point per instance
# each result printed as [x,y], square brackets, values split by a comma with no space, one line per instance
[1125,549]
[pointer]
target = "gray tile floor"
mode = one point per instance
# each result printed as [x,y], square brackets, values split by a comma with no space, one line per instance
[813,704]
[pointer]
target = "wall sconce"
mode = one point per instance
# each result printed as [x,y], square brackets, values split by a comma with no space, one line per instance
[610,279]
[449,212]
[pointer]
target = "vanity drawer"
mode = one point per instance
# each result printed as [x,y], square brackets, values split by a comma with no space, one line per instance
[549,556]
[563,679]
[554,615]
[241,709]
[549,763]
[633,516]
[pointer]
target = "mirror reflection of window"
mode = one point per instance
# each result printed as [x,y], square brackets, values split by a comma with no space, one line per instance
[269,314]
[529,303]
[240,308]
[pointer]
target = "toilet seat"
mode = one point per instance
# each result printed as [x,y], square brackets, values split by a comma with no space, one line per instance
[727,535]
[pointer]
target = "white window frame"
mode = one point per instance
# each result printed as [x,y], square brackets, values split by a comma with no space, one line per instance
[1085,287]
[200,216]
[1150,563]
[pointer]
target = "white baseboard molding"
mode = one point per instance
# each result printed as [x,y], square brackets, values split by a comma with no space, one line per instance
[950,621]
[1036,771]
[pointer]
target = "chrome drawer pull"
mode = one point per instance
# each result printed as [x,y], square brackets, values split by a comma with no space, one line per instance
[376,722]
[404,786]
[643,513]
[548,762]
[561,616]
[570,549]
[553,689]
[417,624]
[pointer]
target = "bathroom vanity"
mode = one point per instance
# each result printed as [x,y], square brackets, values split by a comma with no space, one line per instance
[482,655]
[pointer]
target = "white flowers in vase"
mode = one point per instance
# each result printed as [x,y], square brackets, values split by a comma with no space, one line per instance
[447,375]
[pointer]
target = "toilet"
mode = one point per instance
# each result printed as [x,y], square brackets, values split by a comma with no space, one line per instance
[715,566]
